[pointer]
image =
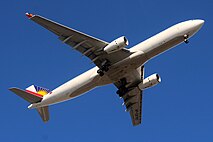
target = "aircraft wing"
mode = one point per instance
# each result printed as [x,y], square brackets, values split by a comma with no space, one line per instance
[133,103]
[85,44]
[133,98]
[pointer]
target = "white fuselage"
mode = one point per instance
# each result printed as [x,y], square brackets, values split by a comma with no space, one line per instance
[142,52]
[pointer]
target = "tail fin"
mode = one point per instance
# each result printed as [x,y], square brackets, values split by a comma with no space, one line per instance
[44,113]
[37,90]
[34,94]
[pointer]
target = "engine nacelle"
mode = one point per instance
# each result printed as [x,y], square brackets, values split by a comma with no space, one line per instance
[150,81]
[116,45]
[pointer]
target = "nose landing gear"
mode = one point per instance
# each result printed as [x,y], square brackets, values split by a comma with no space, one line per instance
[186,38]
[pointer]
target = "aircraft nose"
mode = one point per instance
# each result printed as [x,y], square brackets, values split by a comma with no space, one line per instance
[198,23]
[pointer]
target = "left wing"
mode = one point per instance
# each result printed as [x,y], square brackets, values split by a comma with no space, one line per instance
[30,97]
[133,96]
[87,45]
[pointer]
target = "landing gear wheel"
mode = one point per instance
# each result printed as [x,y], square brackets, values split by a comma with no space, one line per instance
[186,41]
[186,38]
[105,68]
[100,72]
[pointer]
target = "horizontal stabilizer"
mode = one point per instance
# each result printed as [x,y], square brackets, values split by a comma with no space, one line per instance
[44,113]
[25,95]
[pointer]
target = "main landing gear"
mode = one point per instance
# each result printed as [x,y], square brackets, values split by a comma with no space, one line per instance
[100,72]
[122,91]
[104,68]
[186,38]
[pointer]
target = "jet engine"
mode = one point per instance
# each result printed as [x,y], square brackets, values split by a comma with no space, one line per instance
[150,81]
[116,45]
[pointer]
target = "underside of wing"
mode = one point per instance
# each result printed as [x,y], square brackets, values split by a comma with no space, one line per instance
[131,94]
[26,95]
[133,103]
[87,45]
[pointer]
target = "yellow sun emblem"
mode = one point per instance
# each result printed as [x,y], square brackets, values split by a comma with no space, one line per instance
[42,92]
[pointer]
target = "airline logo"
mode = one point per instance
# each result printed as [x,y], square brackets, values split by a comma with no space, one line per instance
[38,91]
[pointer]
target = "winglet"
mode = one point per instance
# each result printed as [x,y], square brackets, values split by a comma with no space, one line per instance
[29,15]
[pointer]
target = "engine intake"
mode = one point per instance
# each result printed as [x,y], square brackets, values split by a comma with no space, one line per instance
[150,81]
[116,45]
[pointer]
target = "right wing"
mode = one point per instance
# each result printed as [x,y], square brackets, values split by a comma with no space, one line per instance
[87,45]
[133,97]
[133,102]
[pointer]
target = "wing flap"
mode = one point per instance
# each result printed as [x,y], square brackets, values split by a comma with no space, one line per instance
[134,105]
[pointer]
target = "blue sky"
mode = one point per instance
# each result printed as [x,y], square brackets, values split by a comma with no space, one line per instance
[178,109]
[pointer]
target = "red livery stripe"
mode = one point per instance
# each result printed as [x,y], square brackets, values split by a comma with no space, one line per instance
[35,94]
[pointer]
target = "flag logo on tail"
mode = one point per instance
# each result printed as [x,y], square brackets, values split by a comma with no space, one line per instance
[37,90]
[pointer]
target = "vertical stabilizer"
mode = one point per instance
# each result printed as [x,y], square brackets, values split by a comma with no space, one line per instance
[44,113]
[38,91]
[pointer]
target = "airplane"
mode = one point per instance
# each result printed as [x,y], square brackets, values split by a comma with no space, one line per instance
[115,64]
